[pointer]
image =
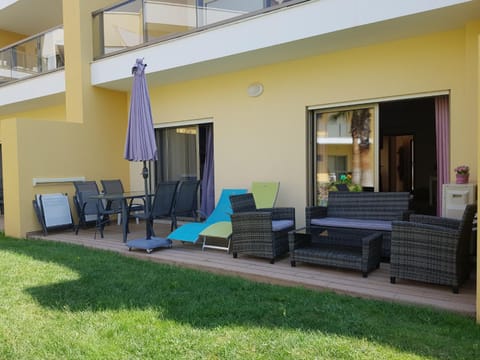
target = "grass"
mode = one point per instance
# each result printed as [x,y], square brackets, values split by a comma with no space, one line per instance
[60,301]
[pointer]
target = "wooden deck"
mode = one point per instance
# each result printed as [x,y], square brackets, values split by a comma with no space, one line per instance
[376,285]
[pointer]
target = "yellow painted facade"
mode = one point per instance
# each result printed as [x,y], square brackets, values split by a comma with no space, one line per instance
[270,129]
[256,138]
[7,38]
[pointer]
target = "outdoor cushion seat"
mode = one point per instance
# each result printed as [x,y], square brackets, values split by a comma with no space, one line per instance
[367,211]
[381,225]
[279,225]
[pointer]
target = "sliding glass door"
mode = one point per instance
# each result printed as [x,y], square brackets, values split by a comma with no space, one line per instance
[186,153]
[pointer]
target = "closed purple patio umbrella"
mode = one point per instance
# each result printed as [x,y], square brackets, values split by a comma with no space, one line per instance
[140,142]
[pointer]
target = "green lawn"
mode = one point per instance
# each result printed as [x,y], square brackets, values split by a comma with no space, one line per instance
[59,301]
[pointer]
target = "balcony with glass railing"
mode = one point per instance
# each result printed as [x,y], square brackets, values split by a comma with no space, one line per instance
[135,22]
[35,55]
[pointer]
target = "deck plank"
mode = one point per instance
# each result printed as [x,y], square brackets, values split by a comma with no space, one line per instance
[376,286]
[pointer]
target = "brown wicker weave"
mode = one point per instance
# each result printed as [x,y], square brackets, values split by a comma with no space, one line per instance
[252,232]
[432,249]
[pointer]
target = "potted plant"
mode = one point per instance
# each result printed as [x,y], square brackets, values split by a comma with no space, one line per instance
[462,173]
[346,180]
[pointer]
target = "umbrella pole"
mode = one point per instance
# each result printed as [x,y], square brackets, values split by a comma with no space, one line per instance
[147,200]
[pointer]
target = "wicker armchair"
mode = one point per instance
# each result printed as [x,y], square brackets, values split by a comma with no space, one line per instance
[432,249]
[263,232]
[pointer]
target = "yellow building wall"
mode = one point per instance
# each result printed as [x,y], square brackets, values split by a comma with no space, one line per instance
[8,38]
[56,113]
[265,137]
[34,148]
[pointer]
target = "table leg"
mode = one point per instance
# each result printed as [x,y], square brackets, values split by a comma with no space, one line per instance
[124,220]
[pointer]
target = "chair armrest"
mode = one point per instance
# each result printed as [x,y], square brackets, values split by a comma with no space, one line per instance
[435,220]
[417,239]
[314,212]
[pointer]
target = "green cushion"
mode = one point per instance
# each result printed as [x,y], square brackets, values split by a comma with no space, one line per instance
[265,194]
[222,229]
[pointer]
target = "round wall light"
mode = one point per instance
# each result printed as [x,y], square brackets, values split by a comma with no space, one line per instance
[255,89]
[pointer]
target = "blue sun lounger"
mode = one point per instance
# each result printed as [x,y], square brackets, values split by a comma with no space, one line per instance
[190,232]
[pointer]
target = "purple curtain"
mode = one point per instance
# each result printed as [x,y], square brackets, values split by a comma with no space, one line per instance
[208,180]
[442,132]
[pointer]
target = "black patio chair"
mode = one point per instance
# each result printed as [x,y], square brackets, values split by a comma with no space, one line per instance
[91,209]
[162,205]
[186,201]
[115,186]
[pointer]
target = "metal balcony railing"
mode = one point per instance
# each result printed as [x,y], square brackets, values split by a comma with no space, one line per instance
[135,22]
[37,54]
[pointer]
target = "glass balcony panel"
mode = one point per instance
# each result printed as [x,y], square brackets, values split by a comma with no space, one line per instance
[214,11]
[33,56]
[164,18]
[134,22]
[123,26]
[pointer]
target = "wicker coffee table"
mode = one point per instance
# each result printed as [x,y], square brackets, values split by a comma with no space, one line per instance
[343,248]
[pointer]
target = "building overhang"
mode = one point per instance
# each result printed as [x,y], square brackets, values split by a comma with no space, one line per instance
[35,92]
[292,32]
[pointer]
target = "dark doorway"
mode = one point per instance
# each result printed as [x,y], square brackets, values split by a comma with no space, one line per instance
[407,151]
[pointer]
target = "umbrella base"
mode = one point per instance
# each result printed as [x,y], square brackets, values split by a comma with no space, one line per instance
[149,244]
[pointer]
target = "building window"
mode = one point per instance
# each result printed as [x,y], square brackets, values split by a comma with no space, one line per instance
[342,149]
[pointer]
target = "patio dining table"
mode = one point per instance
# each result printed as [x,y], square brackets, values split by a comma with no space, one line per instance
[123,198]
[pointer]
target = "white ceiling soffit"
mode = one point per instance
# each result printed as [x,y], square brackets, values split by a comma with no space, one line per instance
[30,17]
[306,29]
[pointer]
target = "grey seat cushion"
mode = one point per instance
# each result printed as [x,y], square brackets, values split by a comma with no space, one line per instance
[279,225]
[380,225]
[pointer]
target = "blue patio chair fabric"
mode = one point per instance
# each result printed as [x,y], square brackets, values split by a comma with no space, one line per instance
[264,196]
[190,232]
[162,204]
[89,208]
[186,201]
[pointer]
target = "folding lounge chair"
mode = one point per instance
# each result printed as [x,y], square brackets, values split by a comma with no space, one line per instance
[265,195]
[190,232]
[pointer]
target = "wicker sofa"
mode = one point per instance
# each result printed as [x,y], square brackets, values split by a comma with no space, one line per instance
[369,211]
[432,249]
